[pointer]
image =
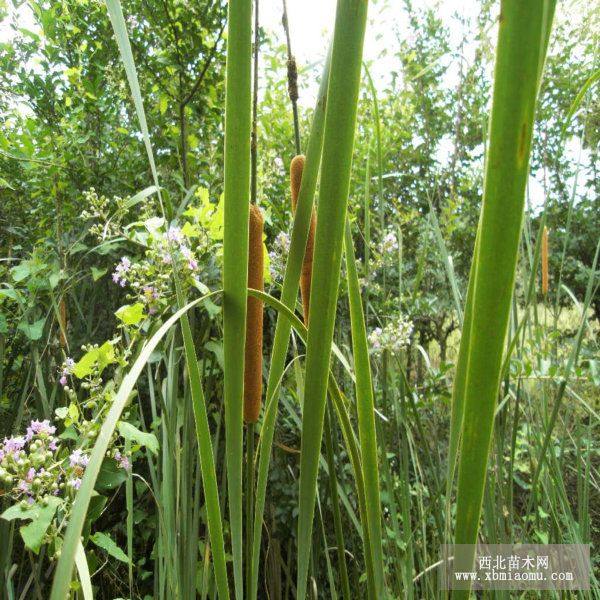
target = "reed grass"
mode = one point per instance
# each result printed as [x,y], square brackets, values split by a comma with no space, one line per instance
[365,406]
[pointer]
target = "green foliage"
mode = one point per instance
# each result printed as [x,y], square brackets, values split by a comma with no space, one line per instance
[40,514]
[108,544]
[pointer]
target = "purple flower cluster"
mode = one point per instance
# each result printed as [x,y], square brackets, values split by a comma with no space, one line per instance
[41,428]
[123,461]
[66,370]
[175,236]
[28,464]
[78,458]
[12,447]
[31,469]
[119,276]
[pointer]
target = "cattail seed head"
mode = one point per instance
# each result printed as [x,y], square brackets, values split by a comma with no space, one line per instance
[545,261]
[296,168]
[254,319]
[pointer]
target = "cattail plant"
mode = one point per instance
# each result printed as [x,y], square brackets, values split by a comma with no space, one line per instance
[545,261]
[296,168]
[289,294]
[254,319]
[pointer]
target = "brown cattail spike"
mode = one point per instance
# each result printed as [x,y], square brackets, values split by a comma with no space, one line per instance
[254,319]
[296,168]
[545,261]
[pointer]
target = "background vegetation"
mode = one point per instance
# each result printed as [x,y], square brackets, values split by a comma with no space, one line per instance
[85,271]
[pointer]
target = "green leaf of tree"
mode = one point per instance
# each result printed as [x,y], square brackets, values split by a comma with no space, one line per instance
[108,544]
[32,330]
[100,357]
[40,514]
[131,314]
[133,434]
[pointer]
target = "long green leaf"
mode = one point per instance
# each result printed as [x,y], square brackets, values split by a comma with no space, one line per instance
[341,407]
[207,461]
[338,142]
[84,572]
[365,407]
[235,257]
[522,41]
[115,12]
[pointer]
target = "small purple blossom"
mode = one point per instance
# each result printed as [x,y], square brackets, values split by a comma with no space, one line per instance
[123,461]
[30,475]
[41,427]
[75,483]
[67,369]
[119,274]
[78,459]
[174,235]
[14,445]
[53,445]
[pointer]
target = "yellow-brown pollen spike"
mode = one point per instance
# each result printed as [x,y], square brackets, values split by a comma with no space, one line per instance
[296,168]
[254,319]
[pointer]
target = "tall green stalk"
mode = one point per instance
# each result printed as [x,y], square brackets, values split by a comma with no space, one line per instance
[338,142]
[238,103]
[524,28]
